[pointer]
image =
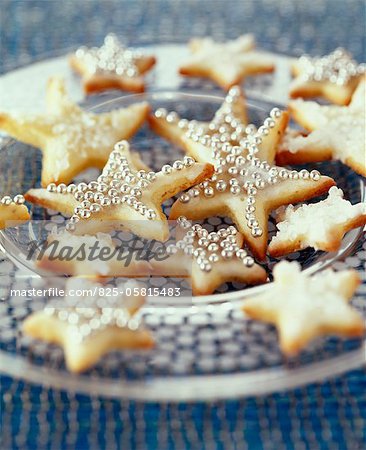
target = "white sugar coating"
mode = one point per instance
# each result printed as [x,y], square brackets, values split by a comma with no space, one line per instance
[340,128]
[76,132]
[304,293]
[231,54]
[314,223]
[112,58]
[67,239]
[83,131]
[208,48]
[344,135]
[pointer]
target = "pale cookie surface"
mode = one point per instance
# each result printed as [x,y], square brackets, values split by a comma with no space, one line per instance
[321,225]
[303,308]
[246,184]
[336,132]
[95,257]
[123,197]
[334,77]
[209,259]
[87,327]
[111,66]
[226,63]
[13,212]
[70,138]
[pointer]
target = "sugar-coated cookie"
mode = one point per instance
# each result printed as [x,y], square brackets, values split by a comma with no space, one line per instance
[208,259]
[111,66]
[89,326]
[226,63]
[336,132]
[70,138]
[122,197]
[321,225]
[333,77]
[304,307]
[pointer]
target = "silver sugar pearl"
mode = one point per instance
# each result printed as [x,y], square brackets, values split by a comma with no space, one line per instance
[19,199]
[257,232]
[248,261]
[161,113]
[52,187]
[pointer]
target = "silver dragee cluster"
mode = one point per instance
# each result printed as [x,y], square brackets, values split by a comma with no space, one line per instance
[209,248]
[234,146]
[118,184]
[90,315]
[338,67]
[111,57]
[7,200]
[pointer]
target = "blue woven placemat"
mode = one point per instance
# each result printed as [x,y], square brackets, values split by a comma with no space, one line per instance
[331,415]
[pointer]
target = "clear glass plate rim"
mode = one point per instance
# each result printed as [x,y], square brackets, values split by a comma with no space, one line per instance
[189,388]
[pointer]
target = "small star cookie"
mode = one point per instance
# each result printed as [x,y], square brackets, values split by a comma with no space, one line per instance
[96,257]
[122,197]
[12,211]
[209,259]
[228,63]
[336,132]
[321,225]
[246,184]
[111,66]
[70,138]
[333,77]
[303,307]
[87,326]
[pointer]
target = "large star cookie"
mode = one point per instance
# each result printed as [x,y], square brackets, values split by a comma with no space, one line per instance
[319,225]
[12,211]
[96,257]
[246,184]
[122,197]
[336,132]
[334,77]
[226,63]
[303,307]
[70,138]
[89,326]
[111,66]
[208,259]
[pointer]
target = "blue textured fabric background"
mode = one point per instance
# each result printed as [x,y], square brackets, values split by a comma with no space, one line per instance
[331,415]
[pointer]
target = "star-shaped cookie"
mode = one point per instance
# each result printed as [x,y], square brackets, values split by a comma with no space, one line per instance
[208,259]
[111,66]
[122,198]
[230,120]
[303,307]
[321,225]
[70,138]
[246,184]
[227,63]
[89,326]
[95,257]
[12,211]
[336,132]
[333,77]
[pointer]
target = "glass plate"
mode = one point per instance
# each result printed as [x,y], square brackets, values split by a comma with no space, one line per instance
[205,350]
